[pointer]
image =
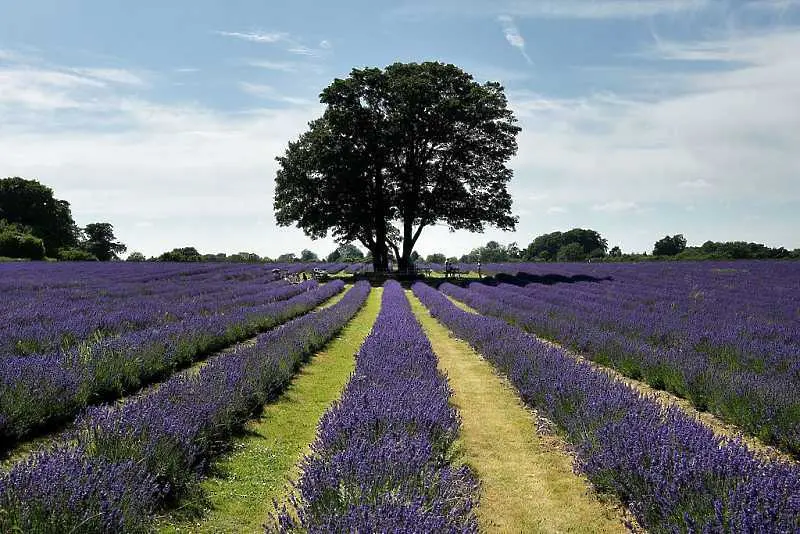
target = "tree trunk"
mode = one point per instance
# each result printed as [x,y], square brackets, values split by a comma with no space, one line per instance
[380,257]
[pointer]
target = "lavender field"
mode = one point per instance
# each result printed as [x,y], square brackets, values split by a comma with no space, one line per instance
[136,379]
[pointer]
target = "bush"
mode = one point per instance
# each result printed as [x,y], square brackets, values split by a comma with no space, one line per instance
[75,254]
[18,245]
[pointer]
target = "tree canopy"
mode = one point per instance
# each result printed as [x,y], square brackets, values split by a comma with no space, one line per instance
[101,241]
[347,252]
[548,247]
[412,144]
[669,245]
[32,204]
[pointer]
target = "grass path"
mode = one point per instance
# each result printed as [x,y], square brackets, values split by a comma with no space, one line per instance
[665,398]
[239,498]
[527,481]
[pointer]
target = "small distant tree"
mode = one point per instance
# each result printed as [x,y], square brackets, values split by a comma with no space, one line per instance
[615,252]
[669,245]
[135,256]
[436,257]
[184,254]
[348,253]
[571,252]
[308,256]
[415,257]
[289,257]
[101,242]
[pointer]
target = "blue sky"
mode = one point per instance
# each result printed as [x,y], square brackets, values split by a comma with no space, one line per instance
[640,118]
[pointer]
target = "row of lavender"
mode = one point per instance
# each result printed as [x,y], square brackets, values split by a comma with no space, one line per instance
[46,308]
[380,461]
[39,391]
[122,463]
[673,472]
[731,353]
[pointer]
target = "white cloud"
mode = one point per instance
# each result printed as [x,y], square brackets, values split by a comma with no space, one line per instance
[513,36]
[736,128]
[256,37]
[556,209]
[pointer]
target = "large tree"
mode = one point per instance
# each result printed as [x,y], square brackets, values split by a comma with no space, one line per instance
[33,205]
[101,241]
[412,144]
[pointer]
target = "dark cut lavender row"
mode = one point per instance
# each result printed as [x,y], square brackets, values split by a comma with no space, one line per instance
[380,460]
[39,391]
[125,462]
[672,471]
[758,391]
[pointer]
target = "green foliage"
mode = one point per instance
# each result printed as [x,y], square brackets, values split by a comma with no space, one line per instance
[75,254]
[615,252]
[15,244]
[547,247]
[308,256]
[348,253]
[415,143]
[184,254]
[492,252]
[136,257]
[29,203]
[571,252]
[669,245]
[101,242]
[437,257]
[287,258]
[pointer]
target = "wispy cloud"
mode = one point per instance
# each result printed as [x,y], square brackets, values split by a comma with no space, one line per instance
[700,183]
[616,206]
[117,76]
[513,36]
[284,66]
[256,37]
[269,92]
[555,9]
[292,44]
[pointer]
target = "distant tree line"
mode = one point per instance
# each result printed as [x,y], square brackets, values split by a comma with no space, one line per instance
[35,225]
[581,244]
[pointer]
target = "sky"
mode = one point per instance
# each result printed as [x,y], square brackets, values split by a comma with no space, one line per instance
[640,118]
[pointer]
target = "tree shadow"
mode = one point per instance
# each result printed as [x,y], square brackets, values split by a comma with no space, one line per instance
[523,279]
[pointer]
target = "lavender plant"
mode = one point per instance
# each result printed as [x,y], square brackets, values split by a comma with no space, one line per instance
[672,471]
[381,458]
[154,448]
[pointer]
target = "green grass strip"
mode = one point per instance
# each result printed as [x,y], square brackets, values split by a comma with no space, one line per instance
[239,496]
[527,480]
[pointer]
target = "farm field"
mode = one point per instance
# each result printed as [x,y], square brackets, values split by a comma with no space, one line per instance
[364,409]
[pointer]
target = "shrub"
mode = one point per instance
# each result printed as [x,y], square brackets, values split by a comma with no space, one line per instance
[18,245]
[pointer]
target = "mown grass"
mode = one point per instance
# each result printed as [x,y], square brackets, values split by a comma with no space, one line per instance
[667,399]
[238,495]
[527,479]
